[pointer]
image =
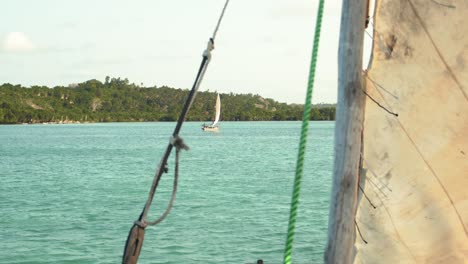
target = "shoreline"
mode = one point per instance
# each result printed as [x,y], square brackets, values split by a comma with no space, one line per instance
[87,122]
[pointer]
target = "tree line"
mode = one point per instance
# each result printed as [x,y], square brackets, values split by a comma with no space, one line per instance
[118,100]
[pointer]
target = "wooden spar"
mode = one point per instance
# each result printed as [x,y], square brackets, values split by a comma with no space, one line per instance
[348,128]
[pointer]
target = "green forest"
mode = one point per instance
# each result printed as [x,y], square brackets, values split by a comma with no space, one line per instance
[118,100]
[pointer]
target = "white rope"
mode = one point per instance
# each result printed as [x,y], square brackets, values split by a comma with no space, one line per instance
[219,20]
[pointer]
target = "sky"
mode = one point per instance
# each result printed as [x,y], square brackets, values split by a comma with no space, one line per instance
[262,47]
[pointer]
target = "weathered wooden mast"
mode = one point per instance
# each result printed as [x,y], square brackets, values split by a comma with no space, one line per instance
[348,129]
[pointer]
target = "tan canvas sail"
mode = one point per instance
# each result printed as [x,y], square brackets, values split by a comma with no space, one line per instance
[415,165]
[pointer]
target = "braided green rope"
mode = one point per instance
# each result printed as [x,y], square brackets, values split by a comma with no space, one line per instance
[302,144]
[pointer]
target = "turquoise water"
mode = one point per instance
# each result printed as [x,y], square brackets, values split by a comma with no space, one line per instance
[70,193]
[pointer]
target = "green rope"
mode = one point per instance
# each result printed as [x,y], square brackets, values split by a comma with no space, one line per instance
[302,144]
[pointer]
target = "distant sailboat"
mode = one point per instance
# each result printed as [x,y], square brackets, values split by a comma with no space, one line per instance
[214,126]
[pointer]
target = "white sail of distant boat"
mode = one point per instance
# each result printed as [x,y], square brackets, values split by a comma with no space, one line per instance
[214,126]
[218,111]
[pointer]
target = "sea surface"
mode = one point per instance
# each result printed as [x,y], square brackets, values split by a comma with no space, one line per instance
[70,193]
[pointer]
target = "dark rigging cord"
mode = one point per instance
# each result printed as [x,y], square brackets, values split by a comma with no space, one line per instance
[136,234]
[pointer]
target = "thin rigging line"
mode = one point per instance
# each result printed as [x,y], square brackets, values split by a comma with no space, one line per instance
[219,20]
[367,198]
[374,174]
[381,106]
[377,85]
[444,5]
[359,231]
[377,187]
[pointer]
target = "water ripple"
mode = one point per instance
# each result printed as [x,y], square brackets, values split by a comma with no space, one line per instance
[70,193]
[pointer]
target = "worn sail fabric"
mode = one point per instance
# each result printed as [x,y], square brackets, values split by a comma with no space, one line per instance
[218,110]
[415,165]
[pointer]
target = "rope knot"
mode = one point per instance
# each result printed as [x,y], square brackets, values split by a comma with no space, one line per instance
[141,224]
[178,143]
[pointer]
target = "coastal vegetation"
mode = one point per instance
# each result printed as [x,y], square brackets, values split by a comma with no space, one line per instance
[118,100]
